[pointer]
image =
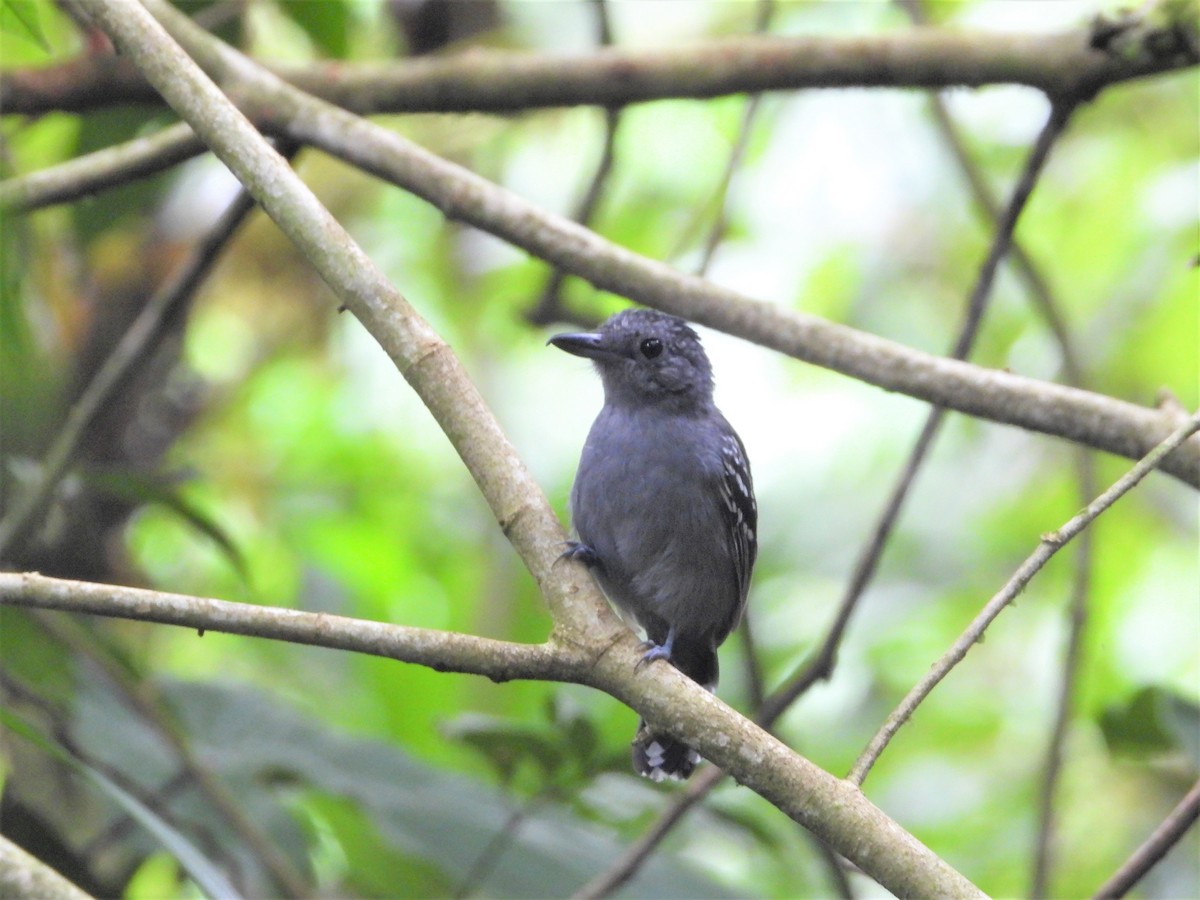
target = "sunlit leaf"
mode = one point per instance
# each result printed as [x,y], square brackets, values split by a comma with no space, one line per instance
[21,17]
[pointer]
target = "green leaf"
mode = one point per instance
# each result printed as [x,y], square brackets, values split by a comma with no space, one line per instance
[327,23]
[445,820]
[207,876]
[157,490]
[1153,722]
[20,17]
[506,743]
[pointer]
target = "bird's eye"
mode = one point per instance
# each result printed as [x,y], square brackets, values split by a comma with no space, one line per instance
[651,347]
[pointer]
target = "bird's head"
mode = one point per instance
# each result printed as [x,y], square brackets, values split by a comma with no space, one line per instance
[645,357]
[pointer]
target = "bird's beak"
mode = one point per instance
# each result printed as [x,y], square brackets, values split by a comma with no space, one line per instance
[585,343]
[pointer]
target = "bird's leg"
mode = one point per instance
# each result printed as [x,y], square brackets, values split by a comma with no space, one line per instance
[581,552]
[659,651]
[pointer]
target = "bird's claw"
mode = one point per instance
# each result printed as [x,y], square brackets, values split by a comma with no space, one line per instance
[580,552]
[657,651]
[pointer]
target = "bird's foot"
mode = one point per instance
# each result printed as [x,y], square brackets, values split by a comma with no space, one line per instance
[581,552]
[658,651]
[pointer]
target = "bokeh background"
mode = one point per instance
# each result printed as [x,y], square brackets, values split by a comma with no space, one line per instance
[269,452]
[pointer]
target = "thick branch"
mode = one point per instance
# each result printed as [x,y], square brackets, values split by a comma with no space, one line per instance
[23,875]
[835,810]
[444,651]
[1064,65]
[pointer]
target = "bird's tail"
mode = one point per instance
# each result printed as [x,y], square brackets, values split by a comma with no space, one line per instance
[659,756]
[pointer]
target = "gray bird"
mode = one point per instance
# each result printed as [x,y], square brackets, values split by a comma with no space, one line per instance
[663,504]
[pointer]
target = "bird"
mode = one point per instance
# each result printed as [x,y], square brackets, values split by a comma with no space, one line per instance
[663,505]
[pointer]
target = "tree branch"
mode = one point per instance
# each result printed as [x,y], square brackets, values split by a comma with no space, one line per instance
[1050,544]
[636,854]
[444,651]
[1064,64]
[100,170]
[1094,420]
[1165,836]
[763,14]
[821,666]
[1046,304]
[23,875]
[549,306]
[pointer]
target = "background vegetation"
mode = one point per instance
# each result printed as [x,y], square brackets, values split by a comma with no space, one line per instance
[268,452]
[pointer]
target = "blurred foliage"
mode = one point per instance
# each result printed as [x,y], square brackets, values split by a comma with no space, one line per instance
[270,453]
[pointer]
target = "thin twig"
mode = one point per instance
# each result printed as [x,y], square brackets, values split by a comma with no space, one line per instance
[1164,837]
[486,862]
[1077,614]
[821,666]
[549,307]
[763,14]
[1050,544]
[836,866]
[101,170]
[756,690]
[629,862]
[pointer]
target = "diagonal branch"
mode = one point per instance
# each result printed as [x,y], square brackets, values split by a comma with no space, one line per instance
[1164,837]
[636,854]
[763,14]
[549,306]
[1044,302]
[24,875]
[864,570]
[422,357]
[1050,544]
[1087,418]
